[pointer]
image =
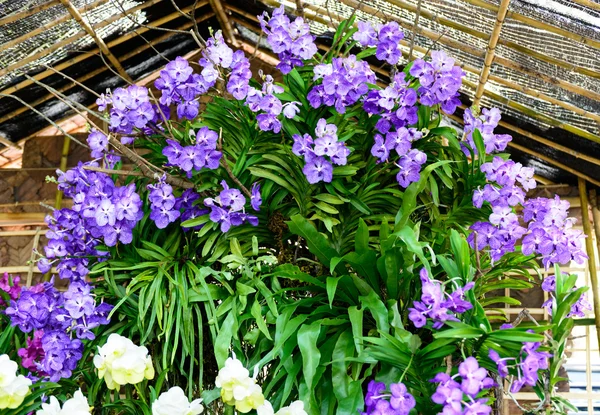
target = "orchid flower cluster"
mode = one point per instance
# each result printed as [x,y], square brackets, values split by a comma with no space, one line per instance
[527,365]
[121,362]
[344,82]
[386,38]
[195,157]
[10,286]
[578,309]
[398,401]
[130,109]
[241,391]
[264,100]
[292,41]
[174,402]
[437,304]
[485,123]
[77,405]
[549,231]
[461,398]
[13,387]
[60,322]
[317,167]
[228,209]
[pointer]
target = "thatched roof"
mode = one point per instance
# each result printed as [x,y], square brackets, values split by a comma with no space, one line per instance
[544,73]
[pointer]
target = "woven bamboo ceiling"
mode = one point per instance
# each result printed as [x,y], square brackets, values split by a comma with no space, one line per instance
[538,60]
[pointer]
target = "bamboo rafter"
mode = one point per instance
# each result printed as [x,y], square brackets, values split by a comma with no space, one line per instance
[79,58]
[97,39]
[587,3]
[123,58]
[491,51]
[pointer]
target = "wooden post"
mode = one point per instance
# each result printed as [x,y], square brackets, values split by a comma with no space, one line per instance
[224,22]
[491,51]
[90,31]
[589,246]
[36,241]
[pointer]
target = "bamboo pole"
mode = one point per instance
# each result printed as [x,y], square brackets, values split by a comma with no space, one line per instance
[97,39]
[22,219]
[79,34]
[589,246]
[26,13]
[505,42]
[538,24]
[457,44]
[224,21]
[21,269]
[22,233]
[49,25]
[103,68]
[491,51]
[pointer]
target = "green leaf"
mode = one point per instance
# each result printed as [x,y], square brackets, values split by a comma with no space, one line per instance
[332,283]
[311,356]
[317,243]
[260,321]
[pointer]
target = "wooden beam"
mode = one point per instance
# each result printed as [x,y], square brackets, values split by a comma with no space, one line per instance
[50,25]
[224,22]
[97,39]
[28,12]
[4,234]
[589,247]
[22,219]
[491,51]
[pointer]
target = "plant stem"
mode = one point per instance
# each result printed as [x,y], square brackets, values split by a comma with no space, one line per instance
[407,367]
[228,169]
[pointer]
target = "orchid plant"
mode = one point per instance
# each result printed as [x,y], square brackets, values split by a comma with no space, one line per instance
[328,229]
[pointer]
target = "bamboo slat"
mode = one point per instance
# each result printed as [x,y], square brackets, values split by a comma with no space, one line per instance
[456,44]
[97,39]
[589,247]
[504,42]
[587,3]
[537,23]
[22,269]
[26,13]
[22,219]
[50,25]
[22,233]
[491,51]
